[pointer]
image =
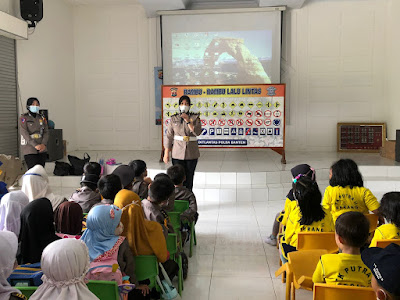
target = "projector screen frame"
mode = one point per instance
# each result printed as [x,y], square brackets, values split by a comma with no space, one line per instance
[274,73]
[219,11]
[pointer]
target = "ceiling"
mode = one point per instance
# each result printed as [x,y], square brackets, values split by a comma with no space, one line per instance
[152,6]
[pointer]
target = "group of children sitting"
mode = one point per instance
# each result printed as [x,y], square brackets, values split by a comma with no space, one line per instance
[127,217]
[343,208]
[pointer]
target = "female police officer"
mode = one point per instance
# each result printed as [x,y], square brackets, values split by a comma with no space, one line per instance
[34,134]
[181,136]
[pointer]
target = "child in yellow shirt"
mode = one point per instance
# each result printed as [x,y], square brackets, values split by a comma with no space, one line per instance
[390,209]
[346,191]
[290,203]
[346,268]
[307,215]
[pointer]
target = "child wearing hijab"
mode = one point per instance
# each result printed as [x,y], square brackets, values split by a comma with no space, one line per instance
[8,252]
[37,230]
[290,203]
[11,206]
[145,237]
[107,247]
[35,184]
[64,264]
[68,218]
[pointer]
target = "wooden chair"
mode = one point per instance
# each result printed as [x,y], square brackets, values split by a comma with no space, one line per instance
[387,242]
[323,291]
[317,240]
[373,222]
[299,270]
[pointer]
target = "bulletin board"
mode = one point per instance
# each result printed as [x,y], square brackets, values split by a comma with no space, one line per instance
[233,116]
[360,137]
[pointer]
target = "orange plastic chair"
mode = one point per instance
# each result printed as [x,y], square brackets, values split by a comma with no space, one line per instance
[373,222]
[387,242]
[323,291]
[299,270]
[317,240]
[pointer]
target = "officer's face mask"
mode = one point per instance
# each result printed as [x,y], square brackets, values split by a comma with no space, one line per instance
[34,109]
[184,109]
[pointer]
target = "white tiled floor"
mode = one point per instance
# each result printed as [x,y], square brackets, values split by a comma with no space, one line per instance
[239,194]
[231,261]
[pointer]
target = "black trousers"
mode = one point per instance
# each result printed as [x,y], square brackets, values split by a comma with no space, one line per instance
[190,167]
[32,160]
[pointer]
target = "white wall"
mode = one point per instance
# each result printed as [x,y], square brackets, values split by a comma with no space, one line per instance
[46,67]
[115,52]
[393,67]
[334,53]
[340,59]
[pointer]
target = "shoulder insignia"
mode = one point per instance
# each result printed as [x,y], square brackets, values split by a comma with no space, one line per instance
[23,119]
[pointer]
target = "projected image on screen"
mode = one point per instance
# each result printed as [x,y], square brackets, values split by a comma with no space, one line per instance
[222,57]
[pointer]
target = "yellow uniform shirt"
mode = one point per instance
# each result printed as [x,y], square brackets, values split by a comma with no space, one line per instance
[289,206]
[293,226]
[339,200]
[386,231]
[342,269]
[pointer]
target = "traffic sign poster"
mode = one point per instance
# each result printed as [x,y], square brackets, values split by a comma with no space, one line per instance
[239,116]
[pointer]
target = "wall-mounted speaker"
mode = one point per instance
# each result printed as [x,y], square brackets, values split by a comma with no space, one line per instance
[31,10]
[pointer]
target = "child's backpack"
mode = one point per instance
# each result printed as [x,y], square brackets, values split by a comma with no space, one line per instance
[106,267]
[26,275]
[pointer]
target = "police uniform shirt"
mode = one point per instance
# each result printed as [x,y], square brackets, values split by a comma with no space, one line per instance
[34,131]
[293,226]
[339,200]
[177,127]
[183,193]
[342,269]
[141,188]
[386,231]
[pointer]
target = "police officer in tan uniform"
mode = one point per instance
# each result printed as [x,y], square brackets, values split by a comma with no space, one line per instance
[34,134]
[181,138]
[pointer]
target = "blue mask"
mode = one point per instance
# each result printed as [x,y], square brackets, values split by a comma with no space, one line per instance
[34,109]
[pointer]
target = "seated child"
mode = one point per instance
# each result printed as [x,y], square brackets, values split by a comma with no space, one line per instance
[177,175]
[384,264]
[290,202]
[11,206]
[35,184]
[93,168]
[37,230]
[346,191]
[159,192]
[88,195]
[68,219]
[8,252]
[390,209]
[109,186]
[107,247]
[169,205]
[307,215]
[64,264]
[126,175]
[141,181]
[346,268]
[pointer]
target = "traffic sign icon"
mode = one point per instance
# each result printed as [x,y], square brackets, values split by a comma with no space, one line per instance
[249,122]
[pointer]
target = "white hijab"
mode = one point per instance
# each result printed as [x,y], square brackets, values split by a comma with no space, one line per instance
[64,264]
[8,252]
[11,206]
[35,184]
